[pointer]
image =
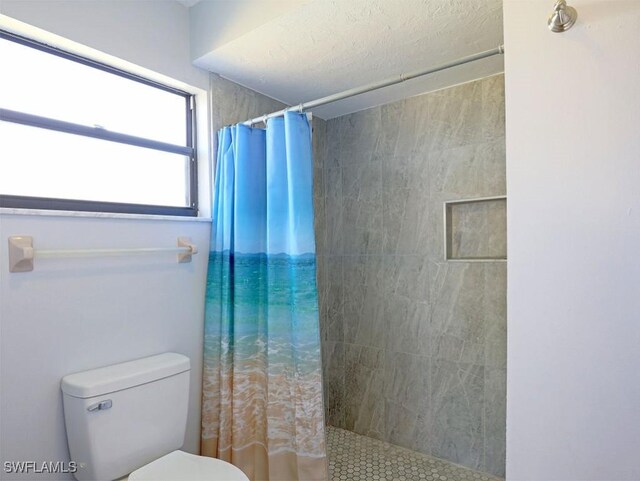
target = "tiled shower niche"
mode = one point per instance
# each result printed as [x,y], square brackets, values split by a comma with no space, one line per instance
[476,229]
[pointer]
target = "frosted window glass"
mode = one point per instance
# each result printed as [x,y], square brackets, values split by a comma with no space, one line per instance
[39,83]
[43,163]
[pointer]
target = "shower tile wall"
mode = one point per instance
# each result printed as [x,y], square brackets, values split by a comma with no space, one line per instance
[414,347]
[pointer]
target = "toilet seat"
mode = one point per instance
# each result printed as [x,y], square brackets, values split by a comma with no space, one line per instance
[181,466]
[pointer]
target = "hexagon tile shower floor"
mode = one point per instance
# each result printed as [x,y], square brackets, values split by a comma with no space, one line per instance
[353,457]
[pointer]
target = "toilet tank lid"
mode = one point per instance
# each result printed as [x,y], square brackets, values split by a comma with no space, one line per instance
[117,377]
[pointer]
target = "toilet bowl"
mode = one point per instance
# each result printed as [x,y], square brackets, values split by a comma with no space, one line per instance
[181,466]
[128,421]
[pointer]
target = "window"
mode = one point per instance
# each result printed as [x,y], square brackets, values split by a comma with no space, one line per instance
[79,135]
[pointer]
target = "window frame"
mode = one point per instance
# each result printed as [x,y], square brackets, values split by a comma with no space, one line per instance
[189,150]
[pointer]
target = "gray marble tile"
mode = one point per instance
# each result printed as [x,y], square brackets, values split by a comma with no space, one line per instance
[407,276]
[319,129]
[495,413]
[423,432]
[409,325]
[319,154]
[334,382]
[406,304]
[319,139]
[493,109]
[361,227]
[407,227]
[454,117]
[407,380]
[457,408]
[333,144]
[362,207]
[405,128]
[469,171]
[333,226]
[332,152]
[407,173]
[457,312]
[333,205]
[320,224]
[400,424]
[322,286]
[495,315]
[362,182]
[391,116]
[421,130]
[335,299]
[360,135]
[405,187]
[364,321]
[407,395]
[364,383]
[325,349]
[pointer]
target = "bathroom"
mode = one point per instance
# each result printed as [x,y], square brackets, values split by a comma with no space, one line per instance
[415,287]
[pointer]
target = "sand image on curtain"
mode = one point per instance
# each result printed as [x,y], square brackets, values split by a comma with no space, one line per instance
[262,382]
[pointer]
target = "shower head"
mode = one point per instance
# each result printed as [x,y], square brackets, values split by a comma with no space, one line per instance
[563,17]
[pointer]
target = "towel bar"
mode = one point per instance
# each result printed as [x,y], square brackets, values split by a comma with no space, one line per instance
[22,253]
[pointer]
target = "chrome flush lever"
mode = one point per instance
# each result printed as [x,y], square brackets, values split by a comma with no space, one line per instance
[101,406]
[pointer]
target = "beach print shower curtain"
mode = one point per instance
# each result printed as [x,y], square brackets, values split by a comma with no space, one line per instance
[262,380]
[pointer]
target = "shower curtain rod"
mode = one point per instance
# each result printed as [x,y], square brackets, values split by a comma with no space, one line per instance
[499,50]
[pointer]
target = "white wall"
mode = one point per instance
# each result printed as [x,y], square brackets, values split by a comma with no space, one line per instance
[573,180]
[70,315]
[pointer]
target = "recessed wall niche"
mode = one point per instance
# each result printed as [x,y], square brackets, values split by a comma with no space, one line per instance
[476,229]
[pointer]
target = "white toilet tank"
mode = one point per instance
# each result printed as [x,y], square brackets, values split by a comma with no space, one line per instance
[121,417]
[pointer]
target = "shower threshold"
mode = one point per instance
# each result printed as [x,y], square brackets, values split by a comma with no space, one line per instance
[353,457]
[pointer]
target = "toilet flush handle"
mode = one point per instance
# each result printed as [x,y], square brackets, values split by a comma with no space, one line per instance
[101,406]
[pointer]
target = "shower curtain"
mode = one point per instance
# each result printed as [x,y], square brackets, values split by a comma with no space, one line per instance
[262,380]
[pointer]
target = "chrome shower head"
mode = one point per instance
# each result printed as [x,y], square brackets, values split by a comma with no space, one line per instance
[563,17]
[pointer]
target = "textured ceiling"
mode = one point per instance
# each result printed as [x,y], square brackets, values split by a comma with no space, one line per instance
[300,50]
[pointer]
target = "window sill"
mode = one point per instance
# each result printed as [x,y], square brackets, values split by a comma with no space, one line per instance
[100,215]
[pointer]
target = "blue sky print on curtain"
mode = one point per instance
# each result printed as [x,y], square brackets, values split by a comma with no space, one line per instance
[262,399]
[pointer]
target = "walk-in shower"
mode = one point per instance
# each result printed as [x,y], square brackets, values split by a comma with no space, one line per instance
[411,232]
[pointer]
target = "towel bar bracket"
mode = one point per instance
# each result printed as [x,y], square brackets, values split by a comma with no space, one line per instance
[20,253]
[184,257]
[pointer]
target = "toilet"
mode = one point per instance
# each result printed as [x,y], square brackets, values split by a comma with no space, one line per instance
[127,422]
